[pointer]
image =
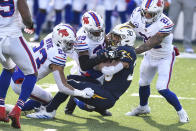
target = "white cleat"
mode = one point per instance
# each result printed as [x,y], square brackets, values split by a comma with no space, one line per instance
[42,114]
[139,111]
[183,117]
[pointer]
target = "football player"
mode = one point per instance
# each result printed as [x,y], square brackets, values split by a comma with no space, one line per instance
[149,21]
[14,50]
[51,58]
[42,13]
[90,40]
[117,71]
[110,5]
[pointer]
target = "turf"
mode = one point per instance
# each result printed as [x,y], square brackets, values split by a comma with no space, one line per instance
[162,118]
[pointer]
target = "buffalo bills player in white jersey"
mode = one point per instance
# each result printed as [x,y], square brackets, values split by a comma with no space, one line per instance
[14,50]
[149,21]
[90,39]
[51,58]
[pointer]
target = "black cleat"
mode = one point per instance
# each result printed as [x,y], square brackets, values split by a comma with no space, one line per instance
[105,113]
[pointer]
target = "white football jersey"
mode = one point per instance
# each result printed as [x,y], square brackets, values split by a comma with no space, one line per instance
[162,25]
[10,19]
[48,53]
[84,43]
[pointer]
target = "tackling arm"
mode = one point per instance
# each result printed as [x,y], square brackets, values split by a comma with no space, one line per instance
[25,13]
[152,42]
[58,73]
[87,63]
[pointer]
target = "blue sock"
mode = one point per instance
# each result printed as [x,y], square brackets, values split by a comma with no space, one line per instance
[41,16]
[26,89]
[144,93]
[122,16]
[131,6]
[30,105]
[58,17]
[5,79]
[108,23]
[58,99]
[76,18]
[171,98]
[80,104]
[68,14]
[35,8]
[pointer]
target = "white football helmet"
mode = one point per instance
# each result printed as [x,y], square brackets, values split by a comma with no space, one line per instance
[154,8]
[94,25]
[64,36]
[126,34]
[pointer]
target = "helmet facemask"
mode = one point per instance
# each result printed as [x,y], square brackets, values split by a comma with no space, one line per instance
[152,16]
[151,10]
[68,45]
[96,35]
[113,39]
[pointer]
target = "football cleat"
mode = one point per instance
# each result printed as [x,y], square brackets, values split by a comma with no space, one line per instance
[3,115]
[35,38]
[139,111]
[183,117]
[14,115]
[9,108]
[105,113]
[42,114]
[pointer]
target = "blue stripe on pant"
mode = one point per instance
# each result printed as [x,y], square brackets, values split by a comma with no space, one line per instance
[102,99]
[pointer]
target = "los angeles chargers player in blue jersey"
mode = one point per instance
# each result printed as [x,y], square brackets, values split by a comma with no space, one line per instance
[117,71]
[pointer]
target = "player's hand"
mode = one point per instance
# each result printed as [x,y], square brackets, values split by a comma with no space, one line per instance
[29,31]
[113,54]
[177,52]
[86,93]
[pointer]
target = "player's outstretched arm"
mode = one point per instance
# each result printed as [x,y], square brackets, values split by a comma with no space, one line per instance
[151,42]
[25,13]
[61,81]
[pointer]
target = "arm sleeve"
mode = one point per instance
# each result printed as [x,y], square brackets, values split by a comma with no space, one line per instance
[87,63]
[111,70]
[60,84]
[59,59]
[168,25]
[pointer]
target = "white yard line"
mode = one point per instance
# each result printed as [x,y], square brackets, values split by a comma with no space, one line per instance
[159,96]
[50,130]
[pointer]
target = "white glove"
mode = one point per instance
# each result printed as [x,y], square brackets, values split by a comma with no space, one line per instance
[29,31]
[2,58]
[86,93]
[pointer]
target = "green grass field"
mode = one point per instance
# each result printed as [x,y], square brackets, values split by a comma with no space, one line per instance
[162,118]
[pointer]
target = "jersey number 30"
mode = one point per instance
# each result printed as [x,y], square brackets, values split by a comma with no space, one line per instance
[6,8]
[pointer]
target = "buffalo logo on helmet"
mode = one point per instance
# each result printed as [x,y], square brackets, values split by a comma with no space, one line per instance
[63,33]
[159,3]
[85,19]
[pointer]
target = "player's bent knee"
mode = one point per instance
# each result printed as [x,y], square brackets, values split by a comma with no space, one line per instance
[143,83]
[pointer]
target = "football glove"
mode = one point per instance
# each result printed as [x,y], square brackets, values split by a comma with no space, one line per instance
[86,93]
